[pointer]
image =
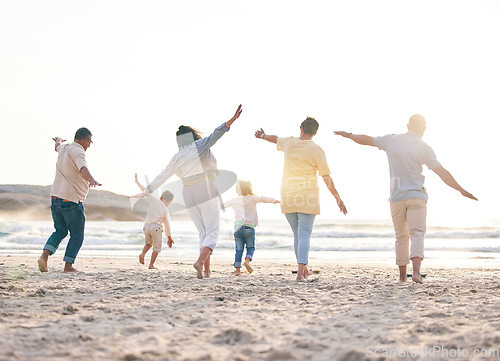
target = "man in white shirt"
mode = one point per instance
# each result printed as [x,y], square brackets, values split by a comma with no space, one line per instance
[406,154]
[69,190]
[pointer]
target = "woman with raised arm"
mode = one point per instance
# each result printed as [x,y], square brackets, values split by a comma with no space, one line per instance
[195,165]
[299,188]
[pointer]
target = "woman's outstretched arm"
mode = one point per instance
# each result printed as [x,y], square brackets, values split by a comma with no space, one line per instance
[331,187]
[207,142]
[158,181]
[163,176]
[262,135]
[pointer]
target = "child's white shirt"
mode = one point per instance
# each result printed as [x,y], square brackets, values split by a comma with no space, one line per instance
[158,213]
[245,208]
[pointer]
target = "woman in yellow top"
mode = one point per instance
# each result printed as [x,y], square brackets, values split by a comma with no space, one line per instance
[299,187]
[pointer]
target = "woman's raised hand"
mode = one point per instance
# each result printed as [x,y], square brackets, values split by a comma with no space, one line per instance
[235,116]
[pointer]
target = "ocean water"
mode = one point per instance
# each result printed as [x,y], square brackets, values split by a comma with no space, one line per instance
[332,240]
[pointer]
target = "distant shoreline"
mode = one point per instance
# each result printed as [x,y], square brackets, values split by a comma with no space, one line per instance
[25,202]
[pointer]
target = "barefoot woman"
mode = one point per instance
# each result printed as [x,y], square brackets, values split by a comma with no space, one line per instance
[195,165]
[299,188]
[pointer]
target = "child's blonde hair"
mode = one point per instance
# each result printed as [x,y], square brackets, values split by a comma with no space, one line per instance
[244,188]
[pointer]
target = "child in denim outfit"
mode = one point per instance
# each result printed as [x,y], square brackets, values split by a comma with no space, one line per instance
[245,211]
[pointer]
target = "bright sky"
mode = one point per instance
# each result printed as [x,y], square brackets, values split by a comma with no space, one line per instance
[132,72]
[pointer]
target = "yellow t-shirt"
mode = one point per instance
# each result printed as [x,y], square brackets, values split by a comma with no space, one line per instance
[304,160]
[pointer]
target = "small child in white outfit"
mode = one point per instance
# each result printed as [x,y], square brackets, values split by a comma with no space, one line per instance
[245,211]
[156,216]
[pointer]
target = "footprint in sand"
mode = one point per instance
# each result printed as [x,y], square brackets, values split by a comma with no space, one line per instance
[69,310]
[233,336]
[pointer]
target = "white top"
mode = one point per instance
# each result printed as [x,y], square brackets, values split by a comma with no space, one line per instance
[69,183]
[245,208]
[191,160]
[158,213]
[406,154]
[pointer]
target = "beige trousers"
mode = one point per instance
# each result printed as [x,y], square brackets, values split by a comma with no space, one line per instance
[408,218]
[153,233]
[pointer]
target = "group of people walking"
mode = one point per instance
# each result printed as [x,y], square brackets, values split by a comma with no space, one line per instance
[304,160]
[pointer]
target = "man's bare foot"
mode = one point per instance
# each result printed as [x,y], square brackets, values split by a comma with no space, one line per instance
[248,267]
[42,264]
[417,279]
[207,274]
[141,258]
[237,272]
[152,267]
[199,271]
[70,269]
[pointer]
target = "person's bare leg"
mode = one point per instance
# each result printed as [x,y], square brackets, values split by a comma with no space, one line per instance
[402,273]
[145,249]
[416,277]
[43,260]
[68,268]
[153,259]
[198,265]
[206,265]
[247,265]
[301,272]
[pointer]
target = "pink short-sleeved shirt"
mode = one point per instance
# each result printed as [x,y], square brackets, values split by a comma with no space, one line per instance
[69,183]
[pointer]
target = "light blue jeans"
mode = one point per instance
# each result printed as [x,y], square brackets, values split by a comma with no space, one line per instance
[243,235]
[302,225]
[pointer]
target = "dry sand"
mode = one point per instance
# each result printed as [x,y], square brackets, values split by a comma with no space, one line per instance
[119,310]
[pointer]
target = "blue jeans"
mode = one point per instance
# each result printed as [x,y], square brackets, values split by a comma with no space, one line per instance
[67,216]
[243,235]
[302,225]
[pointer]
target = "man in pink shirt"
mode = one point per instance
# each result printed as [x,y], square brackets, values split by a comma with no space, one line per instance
[69,190]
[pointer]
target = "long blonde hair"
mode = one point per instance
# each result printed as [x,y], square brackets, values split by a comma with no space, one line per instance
[244,188]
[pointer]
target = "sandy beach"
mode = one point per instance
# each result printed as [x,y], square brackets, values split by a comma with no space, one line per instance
[119,310]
